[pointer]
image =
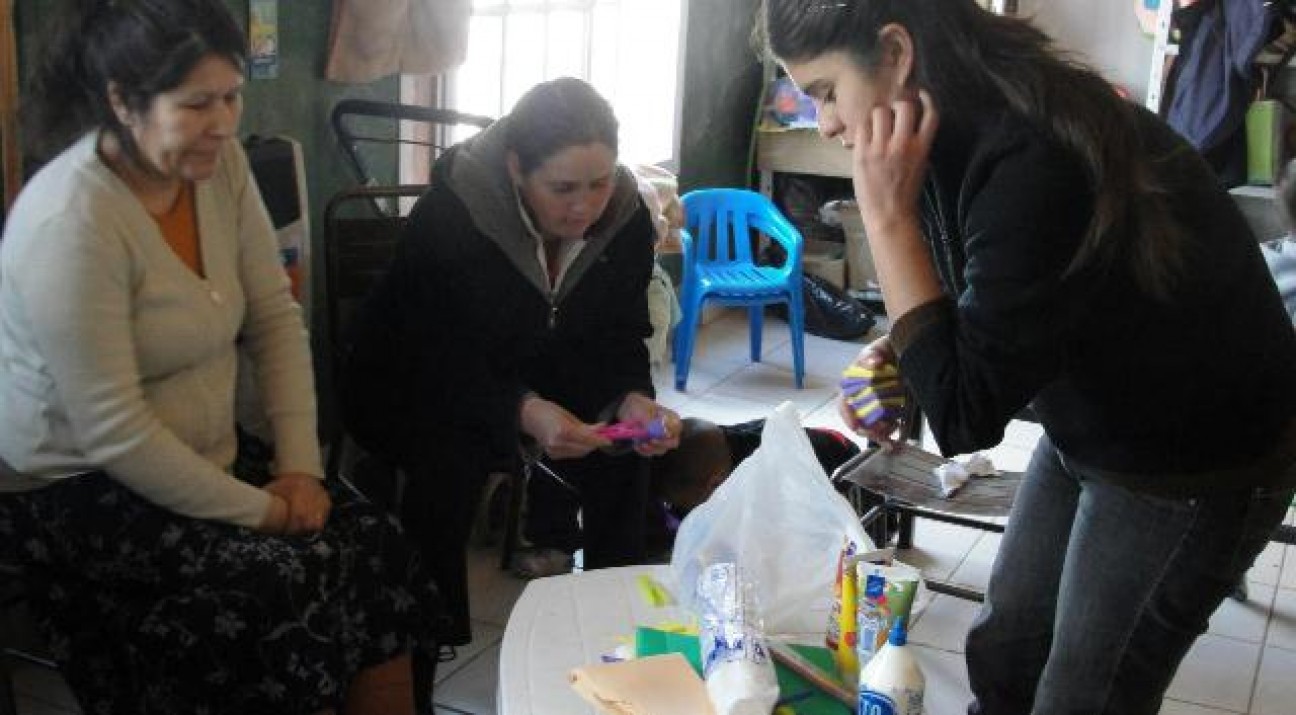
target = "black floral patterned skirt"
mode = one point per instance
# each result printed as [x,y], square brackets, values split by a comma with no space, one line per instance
[147,611]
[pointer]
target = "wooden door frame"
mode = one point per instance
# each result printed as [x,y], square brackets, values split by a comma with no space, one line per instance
[10,151]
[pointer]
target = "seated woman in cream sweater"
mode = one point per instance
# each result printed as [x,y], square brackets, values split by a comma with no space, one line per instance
[130,266]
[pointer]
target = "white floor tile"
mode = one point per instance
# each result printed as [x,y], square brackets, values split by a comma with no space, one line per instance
[1218,672]
[824,358]
[1176,707]
[1282,624]
[1275,692]
[702,376]
[485,637]
[472,689]
[726,340]
[939,548]
[1267,568]
[772,385]
[1244,620]
[726,410]
[1288,578]
[826,415]
[947,691]
[975,569]
[944,623]
[493,589]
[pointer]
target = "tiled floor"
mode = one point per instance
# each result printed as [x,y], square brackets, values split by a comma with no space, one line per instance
[1244,664]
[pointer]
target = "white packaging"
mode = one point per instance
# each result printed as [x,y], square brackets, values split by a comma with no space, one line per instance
[736,663]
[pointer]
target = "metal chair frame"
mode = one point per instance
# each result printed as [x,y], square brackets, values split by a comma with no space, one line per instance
[350,140]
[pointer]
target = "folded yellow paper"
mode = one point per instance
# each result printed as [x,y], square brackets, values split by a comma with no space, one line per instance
[655,685]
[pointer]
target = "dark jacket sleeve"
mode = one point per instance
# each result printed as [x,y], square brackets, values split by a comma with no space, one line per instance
[1004,336]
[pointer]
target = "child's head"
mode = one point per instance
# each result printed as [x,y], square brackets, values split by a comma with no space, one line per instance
[685,476]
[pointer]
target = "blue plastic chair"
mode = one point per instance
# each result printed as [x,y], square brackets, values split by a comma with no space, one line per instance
[720,227]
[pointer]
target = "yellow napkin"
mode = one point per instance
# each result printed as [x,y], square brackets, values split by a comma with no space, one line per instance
[656,685]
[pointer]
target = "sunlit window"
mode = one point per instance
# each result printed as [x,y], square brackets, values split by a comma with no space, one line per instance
[628,49]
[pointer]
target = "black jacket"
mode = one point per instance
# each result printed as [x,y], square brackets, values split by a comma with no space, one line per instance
[462,326]
[1200,385]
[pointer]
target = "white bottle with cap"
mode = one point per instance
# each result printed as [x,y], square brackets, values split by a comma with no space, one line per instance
[891,683]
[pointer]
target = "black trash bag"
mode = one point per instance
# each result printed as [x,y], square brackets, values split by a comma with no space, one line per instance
[829,311]
[799,197]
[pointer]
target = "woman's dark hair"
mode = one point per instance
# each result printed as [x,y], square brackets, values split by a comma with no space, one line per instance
[557,114]
[143,47]
[965,55]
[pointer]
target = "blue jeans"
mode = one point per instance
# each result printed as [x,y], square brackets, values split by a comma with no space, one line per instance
[1098,592]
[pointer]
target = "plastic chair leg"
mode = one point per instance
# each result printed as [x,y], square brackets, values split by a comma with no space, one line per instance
[685,334]
[755,319]
[796,324]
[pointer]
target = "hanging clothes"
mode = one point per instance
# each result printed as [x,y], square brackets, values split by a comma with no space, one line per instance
[375,38]
[1213,80]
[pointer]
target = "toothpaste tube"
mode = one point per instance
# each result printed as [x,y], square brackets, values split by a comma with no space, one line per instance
[886,595]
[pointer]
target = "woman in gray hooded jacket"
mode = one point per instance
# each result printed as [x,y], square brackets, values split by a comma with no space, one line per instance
[515,314]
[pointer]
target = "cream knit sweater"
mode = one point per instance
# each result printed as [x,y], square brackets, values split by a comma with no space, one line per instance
[114,355]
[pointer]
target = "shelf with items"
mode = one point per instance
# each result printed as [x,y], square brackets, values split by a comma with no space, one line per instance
[798,151]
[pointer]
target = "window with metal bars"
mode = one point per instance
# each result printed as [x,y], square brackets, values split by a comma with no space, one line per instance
[629,50]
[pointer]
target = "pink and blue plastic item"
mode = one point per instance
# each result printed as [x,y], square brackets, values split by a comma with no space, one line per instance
[633,431]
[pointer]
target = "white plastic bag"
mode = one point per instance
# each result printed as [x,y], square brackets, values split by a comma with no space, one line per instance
[780,519]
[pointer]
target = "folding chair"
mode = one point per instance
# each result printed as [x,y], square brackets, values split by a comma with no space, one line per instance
[12,596]
[882,484]
[359,244]
[357,123]
[890,489]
